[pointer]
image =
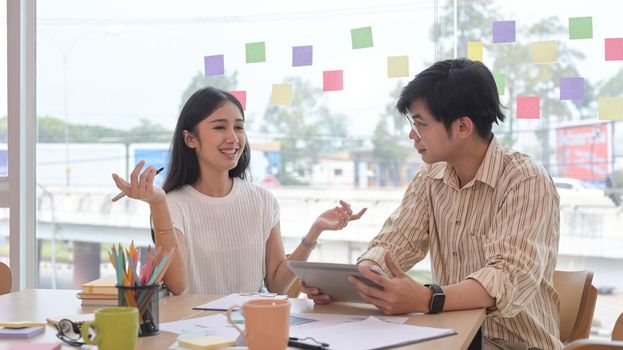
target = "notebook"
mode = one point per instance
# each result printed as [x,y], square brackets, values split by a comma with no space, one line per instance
[38,346]
[20,333]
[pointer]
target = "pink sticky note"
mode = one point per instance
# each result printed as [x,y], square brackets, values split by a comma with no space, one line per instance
[242,97]
[614,49]
[332,80]
[528,107]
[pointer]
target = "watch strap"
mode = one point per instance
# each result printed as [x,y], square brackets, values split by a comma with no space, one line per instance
[437,299]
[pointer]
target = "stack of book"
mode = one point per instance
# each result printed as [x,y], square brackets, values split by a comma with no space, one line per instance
[100,292]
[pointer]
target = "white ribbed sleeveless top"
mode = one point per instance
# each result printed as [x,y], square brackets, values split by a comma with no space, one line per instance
[226,236]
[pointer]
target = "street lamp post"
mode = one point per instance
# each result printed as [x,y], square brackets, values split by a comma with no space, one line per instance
[66,52]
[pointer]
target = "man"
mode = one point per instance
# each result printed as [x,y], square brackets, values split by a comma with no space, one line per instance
[489,217]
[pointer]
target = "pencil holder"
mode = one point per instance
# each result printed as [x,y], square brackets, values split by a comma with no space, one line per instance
[145,298]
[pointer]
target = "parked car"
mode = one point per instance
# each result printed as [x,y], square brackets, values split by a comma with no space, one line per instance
[574,192]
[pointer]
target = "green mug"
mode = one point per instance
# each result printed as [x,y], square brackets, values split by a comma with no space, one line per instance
[116,328]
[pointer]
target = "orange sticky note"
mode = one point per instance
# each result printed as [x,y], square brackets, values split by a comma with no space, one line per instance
[397,66]
[528,107]
[282,94]
[611,108]
[543,52]
[474,50]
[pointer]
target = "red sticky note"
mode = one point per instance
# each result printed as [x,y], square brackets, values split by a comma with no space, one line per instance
[242,97]
[332,80]
[528,107]
[614,49]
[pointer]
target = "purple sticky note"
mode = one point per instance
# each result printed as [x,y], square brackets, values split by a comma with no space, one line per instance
[302,55]
[503,31]
[572,88]
[214,65]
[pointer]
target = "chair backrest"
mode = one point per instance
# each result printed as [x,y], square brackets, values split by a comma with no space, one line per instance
[617,331]
[577,303]
[594,344]
[6,279]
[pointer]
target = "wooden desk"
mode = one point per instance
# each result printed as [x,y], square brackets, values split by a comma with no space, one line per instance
[39,304]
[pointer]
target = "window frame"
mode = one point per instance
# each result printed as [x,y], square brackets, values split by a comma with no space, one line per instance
[17,190]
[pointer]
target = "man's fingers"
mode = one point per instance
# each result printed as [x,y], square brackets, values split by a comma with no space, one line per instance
[366,289]
[373,276]
[378,302]
[392,265]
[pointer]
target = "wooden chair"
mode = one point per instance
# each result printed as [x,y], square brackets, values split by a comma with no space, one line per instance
[617,331]
[6,279]
[592,344]
[577,303]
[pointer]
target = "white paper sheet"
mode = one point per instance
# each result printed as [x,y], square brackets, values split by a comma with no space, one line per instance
[224,303]
[371,333]
[209,325]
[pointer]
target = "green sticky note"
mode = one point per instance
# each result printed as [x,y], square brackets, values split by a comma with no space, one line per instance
[500,82]
[580,27]
[611,108]
[361,37]
[256,52]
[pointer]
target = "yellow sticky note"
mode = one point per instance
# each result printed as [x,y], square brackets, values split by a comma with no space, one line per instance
[21,324]
[282,94]
[611,108]
[543,52]
[397,66]
[208,342]
[474,50]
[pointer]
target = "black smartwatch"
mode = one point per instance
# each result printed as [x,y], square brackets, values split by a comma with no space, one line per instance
[436,300]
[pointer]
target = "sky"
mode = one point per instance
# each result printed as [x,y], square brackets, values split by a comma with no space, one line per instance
[132,59]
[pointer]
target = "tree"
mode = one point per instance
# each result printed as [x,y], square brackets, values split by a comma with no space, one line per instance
[199,81]
[613,86]
[52,130]
[523,77]
[387,139]
[306,129]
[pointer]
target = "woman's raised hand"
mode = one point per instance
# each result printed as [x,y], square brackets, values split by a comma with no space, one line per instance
[337,218]
[141,185]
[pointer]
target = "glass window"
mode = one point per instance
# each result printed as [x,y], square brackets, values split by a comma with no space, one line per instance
[320,80]
[113,76]
[555,51]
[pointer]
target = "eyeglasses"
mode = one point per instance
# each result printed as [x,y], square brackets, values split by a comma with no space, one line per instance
[69,332]
[414,126]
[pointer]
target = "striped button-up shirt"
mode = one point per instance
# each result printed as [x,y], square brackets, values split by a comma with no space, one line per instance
[500,229]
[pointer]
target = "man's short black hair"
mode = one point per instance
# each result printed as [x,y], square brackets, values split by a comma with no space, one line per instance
[455,88]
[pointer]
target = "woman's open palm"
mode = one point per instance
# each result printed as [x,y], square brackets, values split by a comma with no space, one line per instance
[337,218]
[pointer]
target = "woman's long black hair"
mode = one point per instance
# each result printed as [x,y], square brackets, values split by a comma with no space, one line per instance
[183,165]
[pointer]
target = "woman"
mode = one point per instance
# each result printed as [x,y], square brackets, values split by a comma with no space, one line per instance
[226,229]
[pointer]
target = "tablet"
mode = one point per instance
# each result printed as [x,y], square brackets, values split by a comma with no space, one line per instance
[332,279]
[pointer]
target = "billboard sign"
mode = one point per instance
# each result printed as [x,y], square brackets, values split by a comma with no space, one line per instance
[584,152]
